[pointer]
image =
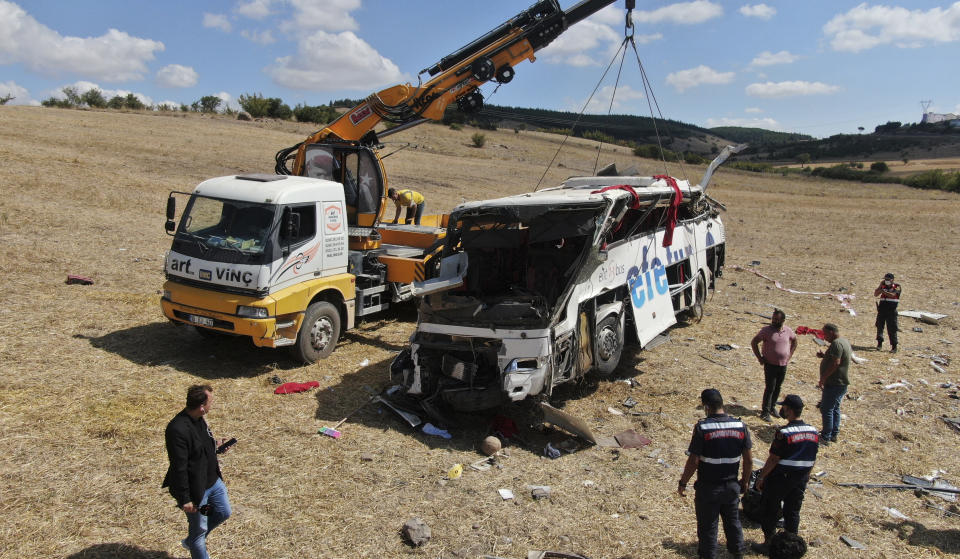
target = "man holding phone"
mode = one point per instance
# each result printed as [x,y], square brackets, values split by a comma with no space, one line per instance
[194,475]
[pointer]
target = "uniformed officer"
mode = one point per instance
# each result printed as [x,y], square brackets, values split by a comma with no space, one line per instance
[718,443]
[889,294]
[784,476]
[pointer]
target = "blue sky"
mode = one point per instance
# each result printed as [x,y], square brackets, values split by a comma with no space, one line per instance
[817,67]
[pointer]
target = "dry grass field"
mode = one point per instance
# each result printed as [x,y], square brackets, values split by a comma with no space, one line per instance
[89,375]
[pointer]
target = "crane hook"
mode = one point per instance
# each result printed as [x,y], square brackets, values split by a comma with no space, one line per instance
[628,30]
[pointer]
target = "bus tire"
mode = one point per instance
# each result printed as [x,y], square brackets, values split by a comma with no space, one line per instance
[319,332]
[609,344]
[695,313]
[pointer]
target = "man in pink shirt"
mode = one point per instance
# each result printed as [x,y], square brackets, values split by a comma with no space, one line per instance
[778,344]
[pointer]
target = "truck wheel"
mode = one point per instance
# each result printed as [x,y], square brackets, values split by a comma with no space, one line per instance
[609,344]
[319,332]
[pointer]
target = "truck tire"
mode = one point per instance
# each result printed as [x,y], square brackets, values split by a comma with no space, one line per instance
[319,332]
[609,344]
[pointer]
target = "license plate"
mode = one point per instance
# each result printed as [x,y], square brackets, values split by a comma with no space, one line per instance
[201,320]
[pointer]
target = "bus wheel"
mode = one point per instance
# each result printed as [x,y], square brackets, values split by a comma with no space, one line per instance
[695,313]
[609,344]
[319,332]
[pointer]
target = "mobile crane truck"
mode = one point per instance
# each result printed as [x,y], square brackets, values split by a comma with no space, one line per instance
[294,258]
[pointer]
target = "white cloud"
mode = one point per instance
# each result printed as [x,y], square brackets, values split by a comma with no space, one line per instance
[20,94]
[175,75]
[865,27]
[766,123]
[685,13]
[259,37]
[761,11]
[685,79]
[329,62]
[572,47]
[170,105]
[228,101]
[113,56]
[331,15]
[790,89]
[600,103]
[753,110]
[253,9]
[217,21]
[767,58]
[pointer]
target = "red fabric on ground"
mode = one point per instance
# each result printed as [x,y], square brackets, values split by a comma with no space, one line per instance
[672,211]
[291,387]
[813,331]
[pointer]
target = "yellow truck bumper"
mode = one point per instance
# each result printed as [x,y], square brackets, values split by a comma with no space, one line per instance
[216,310]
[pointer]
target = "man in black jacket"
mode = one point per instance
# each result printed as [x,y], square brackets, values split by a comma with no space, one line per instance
[194,475]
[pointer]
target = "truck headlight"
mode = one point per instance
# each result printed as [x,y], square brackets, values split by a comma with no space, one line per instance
[251,312]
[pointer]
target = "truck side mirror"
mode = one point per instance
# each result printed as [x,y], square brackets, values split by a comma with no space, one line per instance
[291,225]
[171,225]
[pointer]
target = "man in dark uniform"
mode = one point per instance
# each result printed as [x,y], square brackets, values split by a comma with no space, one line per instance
[194,475]
[718,443]
[784,476]
[889,293]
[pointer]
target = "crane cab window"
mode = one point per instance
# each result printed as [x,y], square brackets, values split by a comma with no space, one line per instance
[321,164]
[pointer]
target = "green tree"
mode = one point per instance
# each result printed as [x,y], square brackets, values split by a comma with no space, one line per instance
[803,158]
[73,97]
[115,102]
[209,103]
[479,140]
[94,98]
[255,104]
[133,102]
[879,167]
[6,99]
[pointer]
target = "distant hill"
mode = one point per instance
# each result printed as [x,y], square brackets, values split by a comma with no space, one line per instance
[758,136]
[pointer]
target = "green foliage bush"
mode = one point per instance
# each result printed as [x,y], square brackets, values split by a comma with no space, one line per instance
[879,167]
[652,151]
[935,179]
[319,114]
[115,102]
[599,136]
[694,158]
[94,98]
[131,101]
[456,126]
[751,166]
[6,99]
[479,140]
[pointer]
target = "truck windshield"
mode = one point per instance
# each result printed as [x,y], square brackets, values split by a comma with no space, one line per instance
[232,225]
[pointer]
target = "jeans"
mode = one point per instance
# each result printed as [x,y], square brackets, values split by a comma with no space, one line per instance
[830,410]
[200,525]
[888,319]
[773,379]
[787,489]
[414,214]
[718,499]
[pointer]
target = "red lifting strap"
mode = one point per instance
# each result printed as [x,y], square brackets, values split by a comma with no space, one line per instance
[634,206]
[672,211]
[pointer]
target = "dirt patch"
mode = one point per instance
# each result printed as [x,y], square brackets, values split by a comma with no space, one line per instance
[91,374]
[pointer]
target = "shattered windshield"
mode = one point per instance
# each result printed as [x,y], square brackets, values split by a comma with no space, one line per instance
[521,262]
[212,223]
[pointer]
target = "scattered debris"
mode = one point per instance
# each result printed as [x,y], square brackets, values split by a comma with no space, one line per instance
[411,418]
[588,483]
[953,422]
[629,402]
[924,316]
[416,532]
[276,379]
[572,424]
[754,262]
[631,439]
[539,492]
[490,445]
[505,494]
[843,298]
[658,340]
[80,280]
[896,514]
[723,347]
[857,359]
[293,387]
[365,362]
[938,368]
[917,329]
[715,362]
[935,486]
[852,542]
[614,411]
[431,429]
[899,384]
[366,457]
[455,472]
[551,452]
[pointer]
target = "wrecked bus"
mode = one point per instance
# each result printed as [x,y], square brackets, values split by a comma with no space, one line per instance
[538,289]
